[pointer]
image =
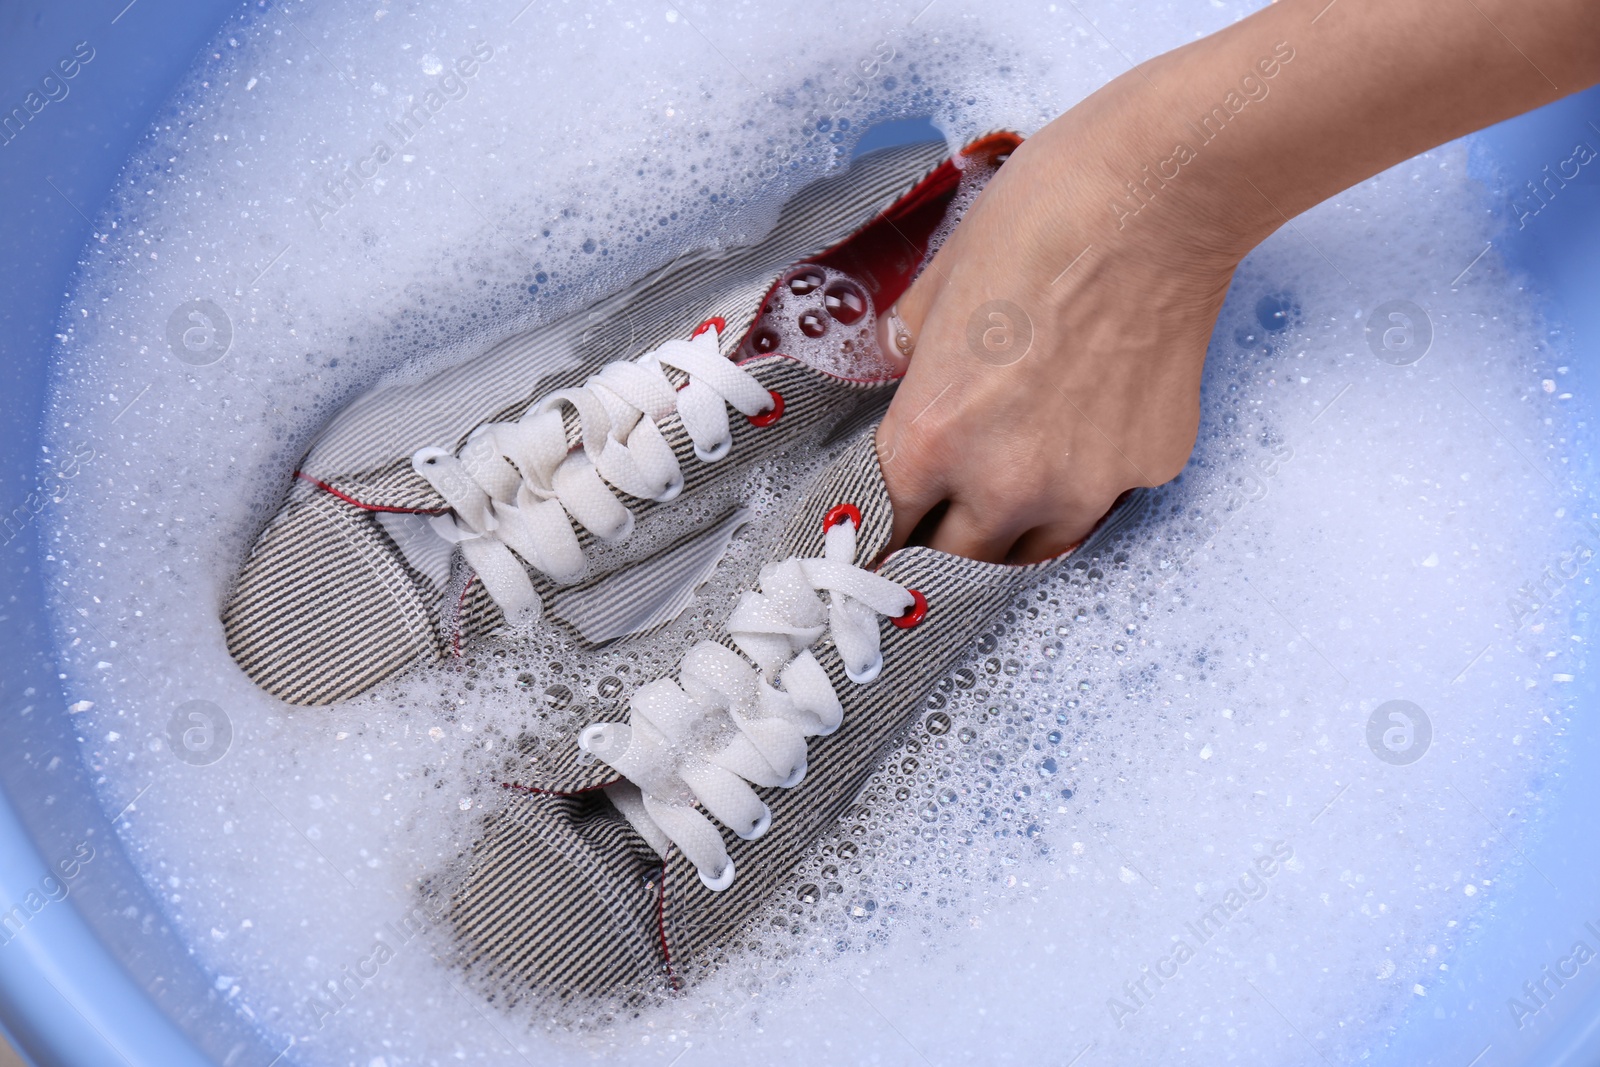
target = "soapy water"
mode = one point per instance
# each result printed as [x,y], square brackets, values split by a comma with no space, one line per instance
[1236,788]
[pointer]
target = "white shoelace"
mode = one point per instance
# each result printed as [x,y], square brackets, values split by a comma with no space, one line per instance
[515,486]
[702,741]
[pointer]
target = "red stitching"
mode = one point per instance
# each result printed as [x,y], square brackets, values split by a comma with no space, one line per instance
[325,487]
[661,928]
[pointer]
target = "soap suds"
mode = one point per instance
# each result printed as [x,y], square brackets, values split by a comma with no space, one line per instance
[1166,745]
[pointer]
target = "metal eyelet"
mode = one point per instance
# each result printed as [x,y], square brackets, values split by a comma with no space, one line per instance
[915,613]
[716,321]
[770,416]
[761,826]
[841,513]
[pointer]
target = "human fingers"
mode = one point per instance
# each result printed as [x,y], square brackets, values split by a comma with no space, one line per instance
[913,484]
[974,531]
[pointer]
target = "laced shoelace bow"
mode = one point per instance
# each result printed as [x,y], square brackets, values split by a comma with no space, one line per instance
[517,487]
[698,744]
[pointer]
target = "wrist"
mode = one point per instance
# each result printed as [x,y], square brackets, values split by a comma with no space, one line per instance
[1173,172]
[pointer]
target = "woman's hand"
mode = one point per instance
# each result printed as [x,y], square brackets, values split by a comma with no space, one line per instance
[1051,373]
[1060,334]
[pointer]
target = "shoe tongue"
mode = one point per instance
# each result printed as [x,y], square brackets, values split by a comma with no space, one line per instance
[853,478]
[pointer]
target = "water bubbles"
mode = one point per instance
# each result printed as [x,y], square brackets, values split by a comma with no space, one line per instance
[1275,312]
[804,280]
[924,810]
[845,301]
[806,317]
[765,340]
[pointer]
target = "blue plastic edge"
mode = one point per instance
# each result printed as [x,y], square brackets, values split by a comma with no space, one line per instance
[64,998]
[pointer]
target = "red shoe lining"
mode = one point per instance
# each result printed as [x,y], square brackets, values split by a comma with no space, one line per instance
[884,255]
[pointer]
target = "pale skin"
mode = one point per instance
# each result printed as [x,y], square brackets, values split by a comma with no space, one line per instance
[1018,462]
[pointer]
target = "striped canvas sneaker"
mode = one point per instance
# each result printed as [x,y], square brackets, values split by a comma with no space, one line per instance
[645,846]
[525,484]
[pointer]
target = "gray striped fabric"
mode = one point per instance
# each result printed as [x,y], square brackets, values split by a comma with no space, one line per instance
[327,605]
[638,599]
[525,928]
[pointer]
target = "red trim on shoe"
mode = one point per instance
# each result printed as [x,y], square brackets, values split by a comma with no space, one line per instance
[914,614]
[884,254]
[353,502]
[907,225]
[841,513]
[661,928]
[772,414]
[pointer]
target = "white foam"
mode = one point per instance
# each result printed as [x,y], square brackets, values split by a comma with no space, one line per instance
[1350,532]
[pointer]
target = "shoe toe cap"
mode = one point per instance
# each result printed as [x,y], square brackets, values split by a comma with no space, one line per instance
[326,606]
[561,899]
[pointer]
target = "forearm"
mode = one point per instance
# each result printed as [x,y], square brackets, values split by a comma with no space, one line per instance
[1075,302]
[1236,133]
